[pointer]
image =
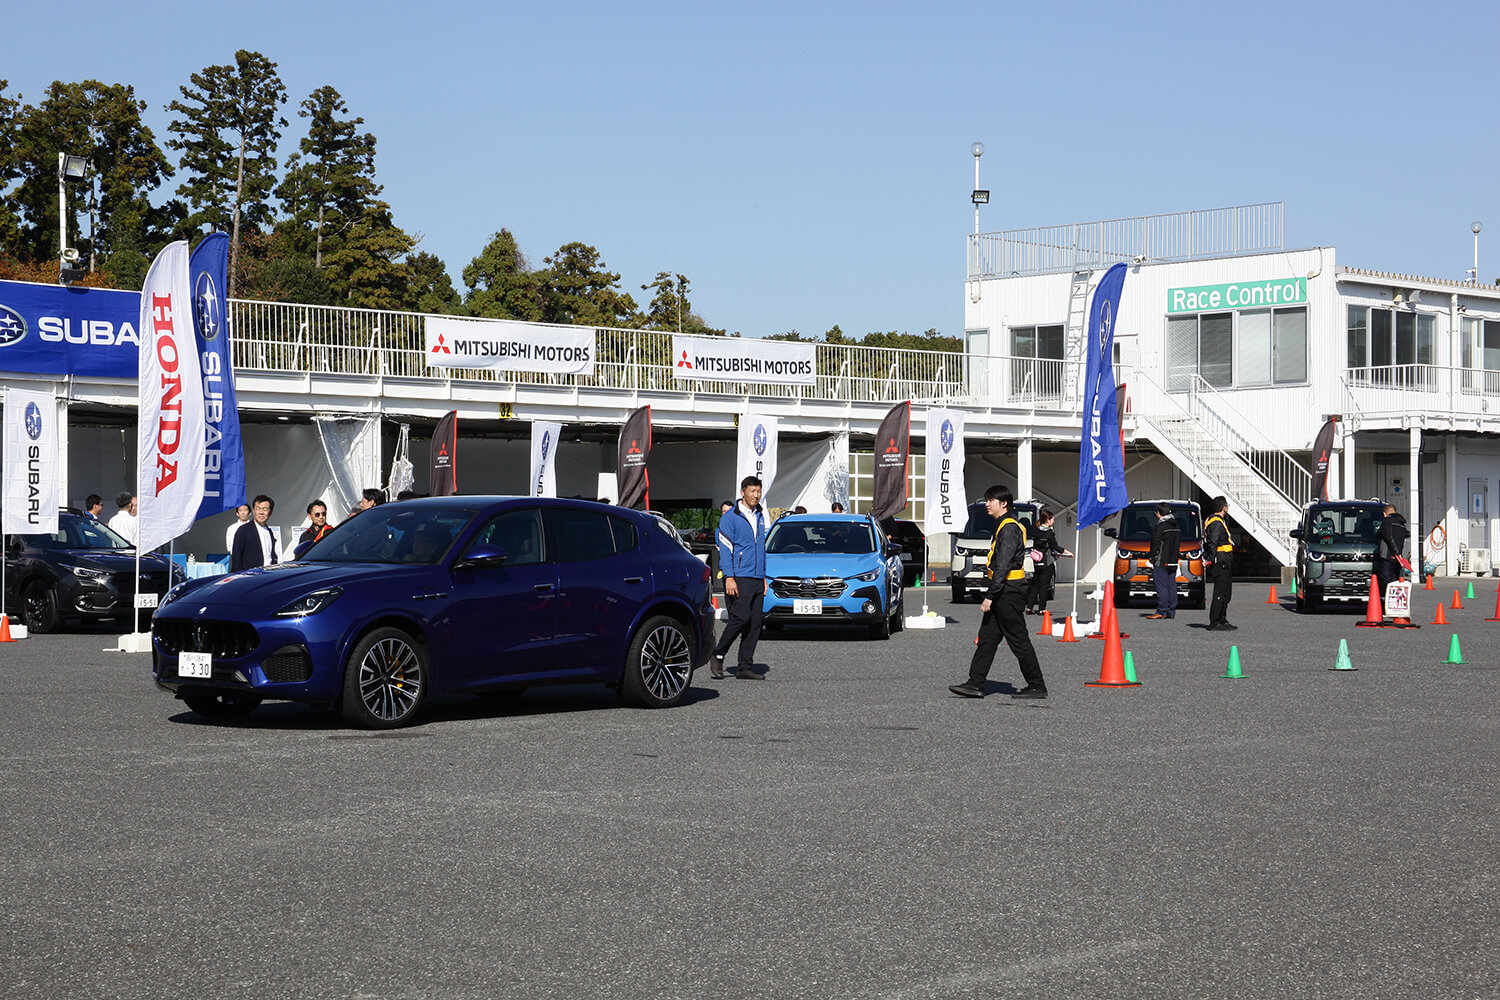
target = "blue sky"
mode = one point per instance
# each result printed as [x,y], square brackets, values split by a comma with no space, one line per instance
[807,164]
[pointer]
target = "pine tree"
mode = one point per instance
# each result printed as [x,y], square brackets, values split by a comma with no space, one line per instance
[330,183]
[579,290]
[500,282]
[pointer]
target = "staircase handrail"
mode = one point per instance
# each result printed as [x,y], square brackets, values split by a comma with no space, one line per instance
[1281,471]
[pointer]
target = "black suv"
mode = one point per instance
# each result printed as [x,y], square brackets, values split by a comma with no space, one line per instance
[908,535]
[1336,551]
[84,572]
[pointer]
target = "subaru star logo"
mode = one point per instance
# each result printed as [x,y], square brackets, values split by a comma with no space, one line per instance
[33,421]
[206,309]
[12,326]
[546,444]
[759,439]
[945,436]
[1106,324]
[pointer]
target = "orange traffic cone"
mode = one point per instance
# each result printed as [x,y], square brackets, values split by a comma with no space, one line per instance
[5,629]
[1068,635]
[1112,666]
[933,578]
[1271,598]
[1440,618]
[1046,623]
[1497,607]
[713,599]
[1429,585]
[1373,616]
[1458,605]
[1109,618]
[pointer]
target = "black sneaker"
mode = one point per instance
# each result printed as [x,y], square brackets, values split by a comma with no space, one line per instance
[1030,692]
[1226,627]
[968,689]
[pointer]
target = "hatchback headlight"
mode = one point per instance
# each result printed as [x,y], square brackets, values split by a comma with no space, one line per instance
[1121,554]
[1315,556]
[96,575]
[869,577]
[311,604]
[1195,554]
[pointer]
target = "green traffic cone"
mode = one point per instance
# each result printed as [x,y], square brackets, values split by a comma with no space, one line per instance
[1470,595]
[1234,672]
[1455,655]
[1294,586]
[1343,662]
[1129,668]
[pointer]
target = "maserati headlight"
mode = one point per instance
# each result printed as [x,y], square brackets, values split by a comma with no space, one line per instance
[178,573]
[311,604]
[869,577]
[173,593]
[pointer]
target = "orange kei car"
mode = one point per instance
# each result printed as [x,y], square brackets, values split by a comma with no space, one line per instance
[1133,550]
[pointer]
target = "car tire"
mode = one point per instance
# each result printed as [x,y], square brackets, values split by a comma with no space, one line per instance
[385,679]
[1198,598]
[39,609]
[1309,603]
[898,616]
[220,704]
[1122,597]
[881,629]
[959,593]
[659,664]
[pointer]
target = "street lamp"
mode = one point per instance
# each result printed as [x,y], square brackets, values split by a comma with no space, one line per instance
[1475,227]
[980,196]
[69,168]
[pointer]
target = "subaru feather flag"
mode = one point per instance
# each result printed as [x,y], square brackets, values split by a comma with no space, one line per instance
[31,481]
[946,510]
[224,452]
[1101,459]
[544,438]
[635,447]
[758,440]
[892,445]
[170,404]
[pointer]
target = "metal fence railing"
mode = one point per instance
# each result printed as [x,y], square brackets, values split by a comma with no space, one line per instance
[1391,390]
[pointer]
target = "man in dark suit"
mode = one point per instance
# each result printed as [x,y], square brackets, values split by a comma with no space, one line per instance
[254,545]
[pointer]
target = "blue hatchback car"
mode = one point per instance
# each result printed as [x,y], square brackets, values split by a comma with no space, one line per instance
[833,569]
[442,595]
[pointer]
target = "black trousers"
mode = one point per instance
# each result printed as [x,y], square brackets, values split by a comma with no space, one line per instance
[1387,571]
[1006,618]
[1219,573]
[1165,578]
[1041,587]
[746,610]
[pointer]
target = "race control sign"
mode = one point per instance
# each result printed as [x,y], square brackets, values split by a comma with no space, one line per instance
[736,359]
[508,346]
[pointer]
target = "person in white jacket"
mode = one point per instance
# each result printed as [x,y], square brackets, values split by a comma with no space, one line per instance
[124,523]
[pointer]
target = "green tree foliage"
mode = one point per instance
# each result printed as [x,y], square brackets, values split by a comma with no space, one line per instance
[367,269]
[500,282]
[929,340]
[102,123]
[329,186]
[428,287]
[579,290]
[10,171]
[229,126]
[670,308]
[273,270]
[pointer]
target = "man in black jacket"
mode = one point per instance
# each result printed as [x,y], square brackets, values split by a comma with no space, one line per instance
[254,544]
[1219,551]
[1004,606]
[1166,550]
[1390,544]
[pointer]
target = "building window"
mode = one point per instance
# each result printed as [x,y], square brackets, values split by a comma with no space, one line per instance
[1481,355]
[1237,350]
[1392,347]
[1037,361]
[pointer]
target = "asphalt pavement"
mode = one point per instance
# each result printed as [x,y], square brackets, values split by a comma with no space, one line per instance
[845,828]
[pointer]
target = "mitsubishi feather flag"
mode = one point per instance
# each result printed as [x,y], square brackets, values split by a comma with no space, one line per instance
[757,452]
[1101,458]
[443,455]
[31,481]
[946,508]
[544,437]
[223,454]
[170,406]
[1322,448]
[635,447]
[892,445]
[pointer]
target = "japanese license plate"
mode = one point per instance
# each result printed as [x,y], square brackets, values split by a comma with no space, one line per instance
[807,607]
[145,600]
[195,665]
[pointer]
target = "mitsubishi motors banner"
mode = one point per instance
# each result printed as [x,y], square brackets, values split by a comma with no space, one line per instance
[1101,459]
[443,479]
[170,405]
[544,438]
[1322,448]
[738,359]
[635,447]
[757,452]
[30,457]
[946,507]
[892,445]
[223,454]
[508,346]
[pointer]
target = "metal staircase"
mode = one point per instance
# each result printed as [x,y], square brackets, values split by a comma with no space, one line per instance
[1223,454]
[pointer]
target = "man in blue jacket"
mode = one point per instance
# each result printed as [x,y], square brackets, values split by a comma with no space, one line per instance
[742,558]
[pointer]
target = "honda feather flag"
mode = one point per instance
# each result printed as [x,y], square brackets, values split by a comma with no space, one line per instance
[1101,459]
[170,404]
[757,452]
[892,444]
[31,481]
[223,451]
[1322,448]
[544,437]
[946,510]
[635,447]
[443,480]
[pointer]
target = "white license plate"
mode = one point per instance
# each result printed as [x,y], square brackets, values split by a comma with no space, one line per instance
[195,665]
[145,600]
[807,607]
[907,557]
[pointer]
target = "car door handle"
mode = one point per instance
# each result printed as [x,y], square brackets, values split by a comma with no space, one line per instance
[543,587]
[633,579]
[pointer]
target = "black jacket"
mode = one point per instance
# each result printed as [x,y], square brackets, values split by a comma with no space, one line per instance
[1044,540]
[1007,554]
[1392,538]
[247,553]
[1166,543]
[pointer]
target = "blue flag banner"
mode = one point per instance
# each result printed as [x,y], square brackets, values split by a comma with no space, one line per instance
[224,455]
[63,330]
[1101,459]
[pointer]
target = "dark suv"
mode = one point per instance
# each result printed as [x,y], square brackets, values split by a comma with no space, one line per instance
[84,571]
[1336,551]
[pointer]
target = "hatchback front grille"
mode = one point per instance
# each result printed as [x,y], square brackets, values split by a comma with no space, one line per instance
[225,640]
[794,587]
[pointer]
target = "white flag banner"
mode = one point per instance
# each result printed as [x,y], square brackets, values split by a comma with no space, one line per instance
[170,407]
[946,508]
[738,359]
[508,346]
[544,438]
[757,452]
[31,481]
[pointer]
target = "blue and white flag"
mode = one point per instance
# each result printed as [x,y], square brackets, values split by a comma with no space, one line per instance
[31,480]
[947,509]
[224,451]
[545,435]
[1101,459]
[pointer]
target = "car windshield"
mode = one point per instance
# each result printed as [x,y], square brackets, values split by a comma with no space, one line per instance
[393,533]
[79,533]
[1344,525]
[827,537]
[1136,522]
[980,524]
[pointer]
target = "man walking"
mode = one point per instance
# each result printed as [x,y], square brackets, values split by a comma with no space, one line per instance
[1220,551]
[1004,606]
[742,557]
[254,545]
[1166,550]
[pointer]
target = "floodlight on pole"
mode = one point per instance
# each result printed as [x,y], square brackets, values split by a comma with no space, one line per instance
[1475,227]
[979,197]
[69,168]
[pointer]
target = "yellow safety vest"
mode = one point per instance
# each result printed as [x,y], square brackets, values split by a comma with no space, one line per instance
[1015,574]
[1216,517]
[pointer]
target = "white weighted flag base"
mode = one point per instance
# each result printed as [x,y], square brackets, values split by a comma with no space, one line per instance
[930,620]
[134,642]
